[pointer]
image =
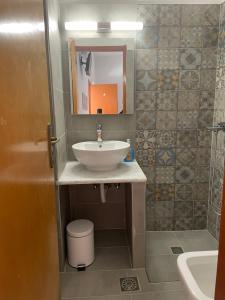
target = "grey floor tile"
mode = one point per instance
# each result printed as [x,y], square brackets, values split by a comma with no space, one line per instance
[110,238]
[160,242]
[174,295]
[86,284]
[162,268]
[197,240]
[107,258]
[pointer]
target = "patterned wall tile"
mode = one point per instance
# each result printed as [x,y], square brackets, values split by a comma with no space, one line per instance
[183,208]
[190,59]
[150,174]
[208,79]
[186,138]
[210,15]
[166,120]
[164,209]
[186,157]
[187,119]
[184,192]
[166,139]
[145,120]
[146,100]
[147,38]
[167,100]
[164,192]
[191,37]
[209,58]
[190,80]
[200,208]
[188,100]
[148,14]
[169,15]
[145,158]
[207,100]
[210,37]
[191,15]
[168,59]
[165,174]
[205,118]
[150,192]
[163,224]
[202,174]
[168,79]
[146,80]
[145,139]
[165,157]
[146,59]
[203,156]
[169,37]
[199,222]
[204,138]
[185,174]
[183,223]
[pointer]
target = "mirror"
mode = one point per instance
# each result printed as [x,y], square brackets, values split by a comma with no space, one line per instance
[99,78]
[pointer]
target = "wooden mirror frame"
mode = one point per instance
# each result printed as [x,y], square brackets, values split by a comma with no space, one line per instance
[73,69]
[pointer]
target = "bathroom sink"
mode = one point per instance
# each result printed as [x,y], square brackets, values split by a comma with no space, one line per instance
[101,156]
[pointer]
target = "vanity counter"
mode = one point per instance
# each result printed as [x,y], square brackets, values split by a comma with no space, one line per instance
[127,172]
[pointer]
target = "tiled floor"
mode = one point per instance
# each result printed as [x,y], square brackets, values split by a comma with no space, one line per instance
[161,262]
[101,281]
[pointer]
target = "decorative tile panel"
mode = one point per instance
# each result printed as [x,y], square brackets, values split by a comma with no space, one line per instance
[185,192]
[167,100]
[185,174]
[190,59]
[168,59]
[146,59]
[186,138]
[191,37]
[168,79]
[145,139]
[190,80]
[164,192]
[165,157]
[188,100]
[146,80]
[146,100]
[166,120]
[148,14]
[145,120]
[186,157]
[210,37]
[187,119]
[147,38]
[165,139]
[169,15]
[169,37]
[165,174]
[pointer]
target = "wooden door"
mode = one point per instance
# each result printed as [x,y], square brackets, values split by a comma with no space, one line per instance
[28,235]
[220,283]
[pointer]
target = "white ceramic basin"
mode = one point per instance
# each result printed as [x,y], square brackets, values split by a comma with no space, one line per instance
[101,156]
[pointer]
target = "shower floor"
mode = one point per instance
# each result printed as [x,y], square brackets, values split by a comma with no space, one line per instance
[161,260]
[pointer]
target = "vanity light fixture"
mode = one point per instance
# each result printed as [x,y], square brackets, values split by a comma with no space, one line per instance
[103,27]
[81,26]
[121,25]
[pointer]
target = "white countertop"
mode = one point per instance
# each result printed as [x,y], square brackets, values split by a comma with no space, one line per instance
[75,173]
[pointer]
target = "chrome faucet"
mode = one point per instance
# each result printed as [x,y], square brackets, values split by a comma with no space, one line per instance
[99,133]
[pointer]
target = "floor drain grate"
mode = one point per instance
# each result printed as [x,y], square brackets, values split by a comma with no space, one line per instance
[129,284]
[177,250]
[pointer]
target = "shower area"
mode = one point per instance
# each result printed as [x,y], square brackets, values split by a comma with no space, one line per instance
[180,110]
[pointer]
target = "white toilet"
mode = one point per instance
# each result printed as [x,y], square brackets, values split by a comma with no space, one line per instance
[80,243]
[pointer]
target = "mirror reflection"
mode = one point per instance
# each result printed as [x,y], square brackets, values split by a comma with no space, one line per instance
[98,79]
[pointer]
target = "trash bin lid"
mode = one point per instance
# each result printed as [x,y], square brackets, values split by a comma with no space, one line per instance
[80,228]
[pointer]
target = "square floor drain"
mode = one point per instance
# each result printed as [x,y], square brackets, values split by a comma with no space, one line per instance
[177,250]
[129,284]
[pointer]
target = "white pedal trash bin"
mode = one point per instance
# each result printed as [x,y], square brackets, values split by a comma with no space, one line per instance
[80,243]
